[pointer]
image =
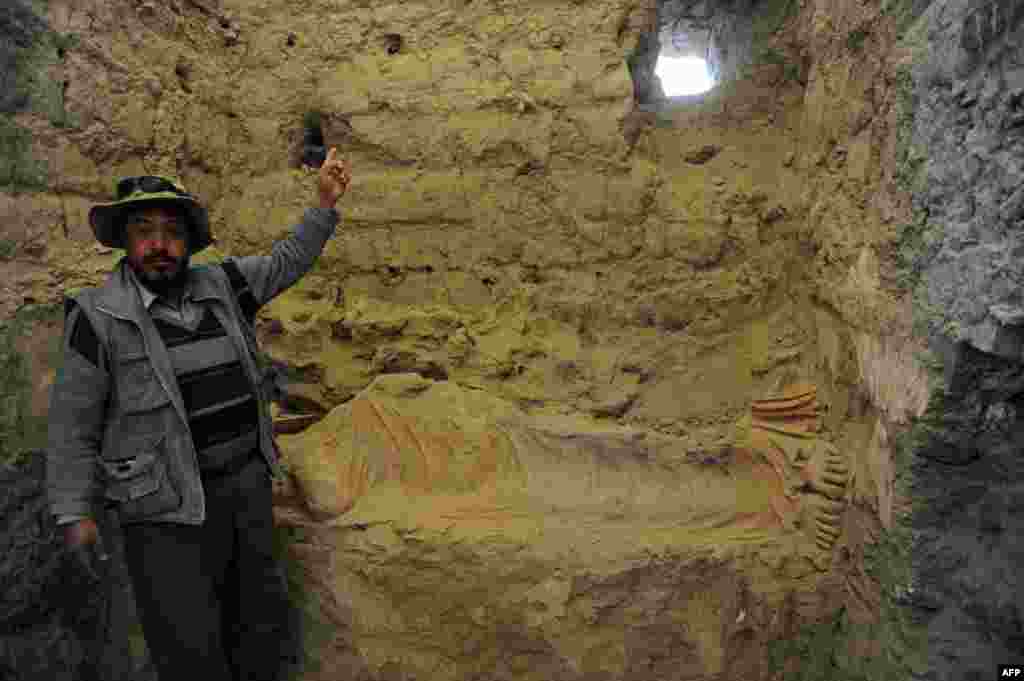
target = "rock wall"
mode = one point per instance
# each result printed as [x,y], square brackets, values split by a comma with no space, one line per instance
[57,624]
[968,138]
[962,159]
[609,390]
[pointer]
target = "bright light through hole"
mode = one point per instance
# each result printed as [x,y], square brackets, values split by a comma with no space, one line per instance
[683,75]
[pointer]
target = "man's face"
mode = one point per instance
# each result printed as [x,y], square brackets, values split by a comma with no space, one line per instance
[157,245]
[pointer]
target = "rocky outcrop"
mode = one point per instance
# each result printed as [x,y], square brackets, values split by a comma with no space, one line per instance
[968,133]
[963,84]
[56,623]
[967,518]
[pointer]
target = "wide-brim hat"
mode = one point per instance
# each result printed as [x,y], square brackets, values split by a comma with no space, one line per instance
[107,219]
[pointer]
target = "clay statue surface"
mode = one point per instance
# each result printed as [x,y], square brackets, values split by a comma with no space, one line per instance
[811,474]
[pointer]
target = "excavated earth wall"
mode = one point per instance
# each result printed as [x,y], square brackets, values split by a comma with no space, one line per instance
[589,384]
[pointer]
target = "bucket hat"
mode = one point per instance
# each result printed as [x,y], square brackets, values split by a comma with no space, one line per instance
[107,219]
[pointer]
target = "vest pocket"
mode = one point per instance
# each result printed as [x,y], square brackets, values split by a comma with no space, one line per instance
[139,483]
[137,385]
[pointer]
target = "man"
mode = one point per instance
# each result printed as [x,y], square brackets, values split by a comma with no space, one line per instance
[159,409]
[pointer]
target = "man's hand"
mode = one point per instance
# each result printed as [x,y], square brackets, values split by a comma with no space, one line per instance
[335,176]
[83,540]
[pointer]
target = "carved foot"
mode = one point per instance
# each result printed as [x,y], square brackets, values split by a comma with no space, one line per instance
[826,478]
[826,472]
[812,474]
[826,516]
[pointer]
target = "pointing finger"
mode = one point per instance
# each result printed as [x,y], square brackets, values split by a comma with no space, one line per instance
[331,154]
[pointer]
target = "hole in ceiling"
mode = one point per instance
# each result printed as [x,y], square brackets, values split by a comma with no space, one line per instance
[686,37]
[696,45]
[681,76]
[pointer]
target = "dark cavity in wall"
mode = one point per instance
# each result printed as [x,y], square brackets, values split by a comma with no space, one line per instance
[183,71]
[392,43]
[314,151]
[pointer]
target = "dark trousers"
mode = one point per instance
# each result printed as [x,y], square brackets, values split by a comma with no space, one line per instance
[212,599]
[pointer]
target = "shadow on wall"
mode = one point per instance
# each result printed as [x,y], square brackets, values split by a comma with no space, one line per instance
[55,623]
[20,29]
[646,86]
[58,624]
[31,56]
[26,370]
[982,27]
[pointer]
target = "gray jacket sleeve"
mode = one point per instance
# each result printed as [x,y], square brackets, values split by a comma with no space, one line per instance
[290,258]
[76,419]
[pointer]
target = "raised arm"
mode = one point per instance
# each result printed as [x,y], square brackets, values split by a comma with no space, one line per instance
[292,257]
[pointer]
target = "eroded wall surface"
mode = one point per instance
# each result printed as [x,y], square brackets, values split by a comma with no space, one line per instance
[609,392]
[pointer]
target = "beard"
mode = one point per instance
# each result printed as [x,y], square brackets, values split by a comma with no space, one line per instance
[163,282]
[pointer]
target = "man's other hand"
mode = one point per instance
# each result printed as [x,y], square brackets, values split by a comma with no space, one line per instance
[86,546]
[335,176]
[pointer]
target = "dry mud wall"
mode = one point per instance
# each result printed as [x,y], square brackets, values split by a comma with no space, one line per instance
[609,385]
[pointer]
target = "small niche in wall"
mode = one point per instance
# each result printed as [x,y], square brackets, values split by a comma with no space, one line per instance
[392,43]
[183,72]
[313,152]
